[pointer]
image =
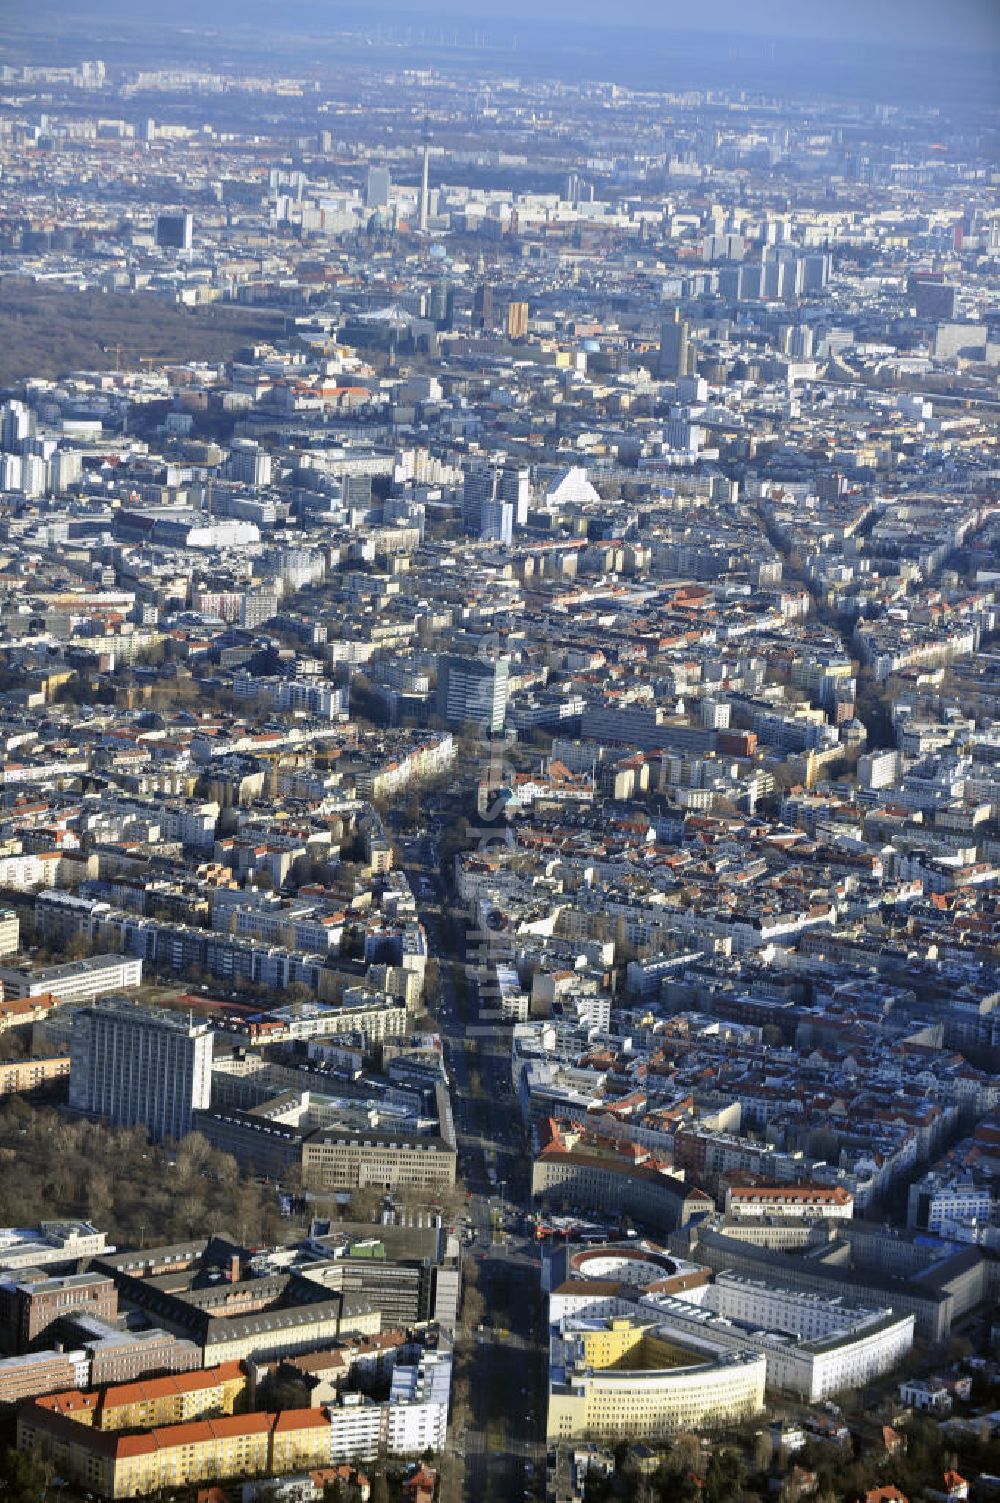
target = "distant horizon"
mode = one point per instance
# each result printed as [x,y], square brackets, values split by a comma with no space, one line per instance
[772,47]
[967,26]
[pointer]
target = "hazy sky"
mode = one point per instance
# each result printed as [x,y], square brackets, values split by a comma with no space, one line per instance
[962,24]
[938,25]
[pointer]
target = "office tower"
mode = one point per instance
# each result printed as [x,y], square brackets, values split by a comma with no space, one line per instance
[356,490]
[482,307]
[442,306]
[174,231]
[675,350]
[831,485]
[140,1067]
[249,464]
[791,277]
[725,247]
[931,296]
[479,486]
[751,281]
[517,321]
[496,522]
[486,512]
[682,435]
[424,189]
[471,691]
[801,344]
[816,272]
[34,475]
[515,487]
[65,469]
[92,74]
[15,426]
[770,280]
[377,188]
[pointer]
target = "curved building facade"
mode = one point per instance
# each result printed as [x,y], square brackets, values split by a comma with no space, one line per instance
[622,1379]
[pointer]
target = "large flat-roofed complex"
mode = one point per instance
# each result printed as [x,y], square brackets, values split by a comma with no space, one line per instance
[814,1346]
[78,981]
[53,1242]
[586,1169]
[627,1378]
[343,1141]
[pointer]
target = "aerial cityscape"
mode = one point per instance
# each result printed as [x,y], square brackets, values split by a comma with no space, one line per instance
[500,752]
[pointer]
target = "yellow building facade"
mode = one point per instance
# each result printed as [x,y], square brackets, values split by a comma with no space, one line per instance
[618,1380]
[116,1465]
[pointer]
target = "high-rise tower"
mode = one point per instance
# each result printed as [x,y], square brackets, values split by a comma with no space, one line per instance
[140,1067]
[676,356]
[424,189]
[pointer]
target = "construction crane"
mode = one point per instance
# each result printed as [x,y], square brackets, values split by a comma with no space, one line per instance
[118,350]
[274,758]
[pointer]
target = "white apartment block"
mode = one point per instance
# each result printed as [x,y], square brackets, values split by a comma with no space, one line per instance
[78,981]
[942,1205]
[140,1067]
[798,1202]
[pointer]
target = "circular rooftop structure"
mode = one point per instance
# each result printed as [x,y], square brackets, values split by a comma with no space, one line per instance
[638,1266]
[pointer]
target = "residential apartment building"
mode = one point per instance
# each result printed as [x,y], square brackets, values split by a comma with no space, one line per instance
[148,1402]
[22,1076]
[127,1464]
[10,931]
[794,1202]
[138,1066]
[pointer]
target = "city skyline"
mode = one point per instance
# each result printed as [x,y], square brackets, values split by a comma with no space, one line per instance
[499,753]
